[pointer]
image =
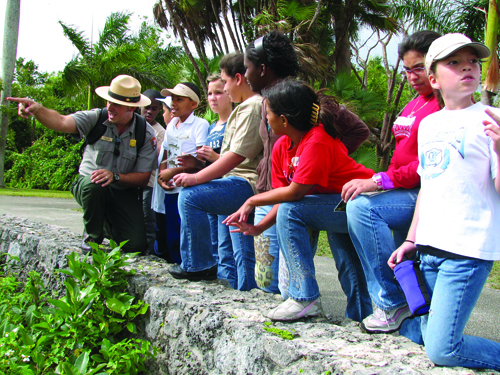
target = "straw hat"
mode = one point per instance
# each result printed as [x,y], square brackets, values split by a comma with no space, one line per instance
[124,90]
[187,89]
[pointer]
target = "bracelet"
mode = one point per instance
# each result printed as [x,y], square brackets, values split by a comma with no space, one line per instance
[377,179]
[410,241]
[196,178]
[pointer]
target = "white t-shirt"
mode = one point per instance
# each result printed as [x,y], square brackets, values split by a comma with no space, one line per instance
[191,134]
[459,206]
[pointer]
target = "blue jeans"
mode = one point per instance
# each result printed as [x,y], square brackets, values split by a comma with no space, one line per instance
[226,263]
[317,212]
[455,286]
[170,250]
[219,197]
[379,224]
[266,254]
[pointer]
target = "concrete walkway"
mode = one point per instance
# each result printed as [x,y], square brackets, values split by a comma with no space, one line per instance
[67,214]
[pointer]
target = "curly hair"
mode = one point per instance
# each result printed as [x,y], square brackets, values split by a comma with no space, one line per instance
[279,52]
[294,99]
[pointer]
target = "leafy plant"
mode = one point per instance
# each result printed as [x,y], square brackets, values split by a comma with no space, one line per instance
[85,331]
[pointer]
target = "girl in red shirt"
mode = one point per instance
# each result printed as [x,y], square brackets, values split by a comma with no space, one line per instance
[309,167]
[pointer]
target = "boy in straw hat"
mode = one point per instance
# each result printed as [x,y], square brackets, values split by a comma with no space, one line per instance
[112,169]
[184,135]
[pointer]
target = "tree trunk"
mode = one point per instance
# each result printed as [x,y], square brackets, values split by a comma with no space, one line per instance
[180,31]
[228,24]
[237,30]
[219,23]
[11,32]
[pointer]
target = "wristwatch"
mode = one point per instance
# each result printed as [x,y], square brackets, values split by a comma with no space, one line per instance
[116,177]
[378,180]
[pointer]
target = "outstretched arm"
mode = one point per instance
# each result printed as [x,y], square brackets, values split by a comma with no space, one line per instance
[291,193]
[47,117]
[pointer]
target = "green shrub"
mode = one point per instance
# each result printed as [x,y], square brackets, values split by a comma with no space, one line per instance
[51,163]
[84,332]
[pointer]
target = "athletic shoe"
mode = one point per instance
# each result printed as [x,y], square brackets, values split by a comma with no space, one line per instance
[294,310]
[382,321]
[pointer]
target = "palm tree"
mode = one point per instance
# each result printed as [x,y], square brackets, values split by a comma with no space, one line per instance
[116,52]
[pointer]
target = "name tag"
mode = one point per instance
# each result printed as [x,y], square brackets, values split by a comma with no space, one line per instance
[406,121]
[107,139]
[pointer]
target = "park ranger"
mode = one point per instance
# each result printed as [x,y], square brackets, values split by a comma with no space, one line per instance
[115,166]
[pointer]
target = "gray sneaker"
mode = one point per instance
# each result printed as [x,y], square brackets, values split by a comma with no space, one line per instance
[294,310]
[382,321]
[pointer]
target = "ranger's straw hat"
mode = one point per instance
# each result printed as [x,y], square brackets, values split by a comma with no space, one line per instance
[124,90]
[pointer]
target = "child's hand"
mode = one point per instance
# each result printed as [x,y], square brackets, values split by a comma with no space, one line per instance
[166,185]
[239,216]
[185,180]
[189,161]
[354,187]
[407,249]
[207,153]
[166,174]
[492,129]
[245,228]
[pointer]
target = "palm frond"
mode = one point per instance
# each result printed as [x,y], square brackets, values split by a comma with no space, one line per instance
[76,38]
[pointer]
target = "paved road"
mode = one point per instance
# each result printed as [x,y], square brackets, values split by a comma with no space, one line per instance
[66,214]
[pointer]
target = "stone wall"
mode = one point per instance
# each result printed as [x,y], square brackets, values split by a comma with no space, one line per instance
[208,328]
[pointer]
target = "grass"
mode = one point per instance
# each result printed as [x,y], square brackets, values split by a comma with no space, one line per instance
[324,250]
[36,193]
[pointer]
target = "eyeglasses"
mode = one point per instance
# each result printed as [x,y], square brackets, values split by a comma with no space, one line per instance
[418,70]
[116,151]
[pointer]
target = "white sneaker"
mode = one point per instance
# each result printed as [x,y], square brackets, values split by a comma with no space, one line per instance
[294,310]
[382,321]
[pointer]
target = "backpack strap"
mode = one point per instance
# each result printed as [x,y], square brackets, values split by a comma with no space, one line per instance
[97,131]
[140,132]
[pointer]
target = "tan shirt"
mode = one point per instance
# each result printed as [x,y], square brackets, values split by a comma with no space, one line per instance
[101,154]
[242,138]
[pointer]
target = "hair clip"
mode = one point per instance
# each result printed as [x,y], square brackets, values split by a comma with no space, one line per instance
[259,48]
[314,114]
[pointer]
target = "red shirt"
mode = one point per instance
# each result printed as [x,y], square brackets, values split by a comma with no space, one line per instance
[403,168]
[317,160]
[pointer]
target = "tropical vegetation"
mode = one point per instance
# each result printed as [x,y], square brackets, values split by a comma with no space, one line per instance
[327,36]
[86,331]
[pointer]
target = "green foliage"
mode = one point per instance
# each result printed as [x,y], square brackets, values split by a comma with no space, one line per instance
[84,332]
[48,164]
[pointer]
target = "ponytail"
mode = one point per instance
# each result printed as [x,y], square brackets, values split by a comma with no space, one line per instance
[303,107]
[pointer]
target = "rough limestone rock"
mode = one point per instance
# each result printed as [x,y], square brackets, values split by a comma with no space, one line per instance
[209,328]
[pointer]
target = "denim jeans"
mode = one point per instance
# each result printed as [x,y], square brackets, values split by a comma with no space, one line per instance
[455,286]
[226,263]
[318,213]
[170,251]
[379,224]
[219,197]
[266,254]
